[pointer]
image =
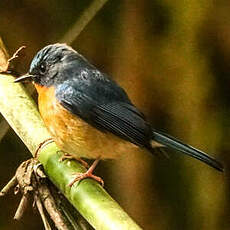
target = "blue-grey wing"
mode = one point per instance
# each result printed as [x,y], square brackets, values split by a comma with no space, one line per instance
[107,108]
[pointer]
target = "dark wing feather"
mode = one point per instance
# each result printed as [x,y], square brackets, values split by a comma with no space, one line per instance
[110,114]
[124,120]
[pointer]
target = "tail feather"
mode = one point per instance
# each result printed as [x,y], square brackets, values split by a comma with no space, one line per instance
[173,143]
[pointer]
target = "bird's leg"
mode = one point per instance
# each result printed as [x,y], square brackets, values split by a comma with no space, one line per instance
[72,157]
[88,174]
[42,145]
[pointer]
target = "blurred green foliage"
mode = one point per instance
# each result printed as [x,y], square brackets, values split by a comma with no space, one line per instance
[173,58]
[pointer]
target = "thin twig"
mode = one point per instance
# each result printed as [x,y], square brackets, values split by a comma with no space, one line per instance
[15,55]
[41,211]
[51,207]
[84,19]
[5,68]
[21,207]
[12,183]
[71,219]
[32,180]
[70,213]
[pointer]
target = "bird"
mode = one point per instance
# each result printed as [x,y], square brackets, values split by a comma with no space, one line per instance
[89,115]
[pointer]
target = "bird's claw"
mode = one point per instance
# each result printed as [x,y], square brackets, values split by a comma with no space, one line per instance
[88,174]
[67,156]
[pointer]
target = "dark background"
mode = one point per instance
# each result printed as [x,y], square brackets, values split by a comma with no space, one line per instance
[173,59]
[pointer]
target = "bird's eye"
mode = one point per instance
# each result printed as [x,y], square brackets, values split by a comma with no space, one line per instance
[42,68]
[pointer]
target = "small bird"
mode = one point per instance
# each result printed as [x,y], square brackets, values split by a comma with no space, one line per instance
[89,115]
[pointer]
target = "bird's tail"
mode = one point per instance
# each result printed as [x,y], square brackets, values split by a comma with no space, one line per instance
[173,143]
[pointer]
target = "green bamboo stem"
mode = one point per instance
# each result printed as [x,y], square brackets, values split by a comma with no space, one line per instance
[90,199]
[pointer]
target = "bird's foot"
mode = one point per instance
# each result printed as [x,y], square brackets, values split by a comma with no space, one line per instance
[88,174]
[81,176]
[68,156]
[42,145]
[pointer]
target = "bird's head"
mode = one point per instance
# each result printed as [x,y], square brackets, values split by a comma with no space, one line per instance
[48,64]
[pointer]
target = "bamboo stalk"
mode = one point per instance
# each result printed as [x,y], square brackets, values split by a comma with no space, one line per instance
[90,199]
[84,19]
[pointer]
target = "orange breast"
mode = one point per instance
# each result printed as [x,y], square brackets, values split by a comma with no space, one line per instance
[72,134]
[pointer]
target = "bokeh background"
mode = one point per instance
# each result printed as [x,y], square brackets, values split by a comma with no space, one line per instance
[173,58]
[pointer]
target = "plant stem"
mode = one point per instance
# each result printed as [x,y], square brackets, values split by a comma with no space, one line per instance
[84,19]
[90,199]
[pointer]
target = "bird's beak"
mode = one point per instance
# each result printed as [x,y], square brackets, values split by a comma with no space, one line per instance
[24,78]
